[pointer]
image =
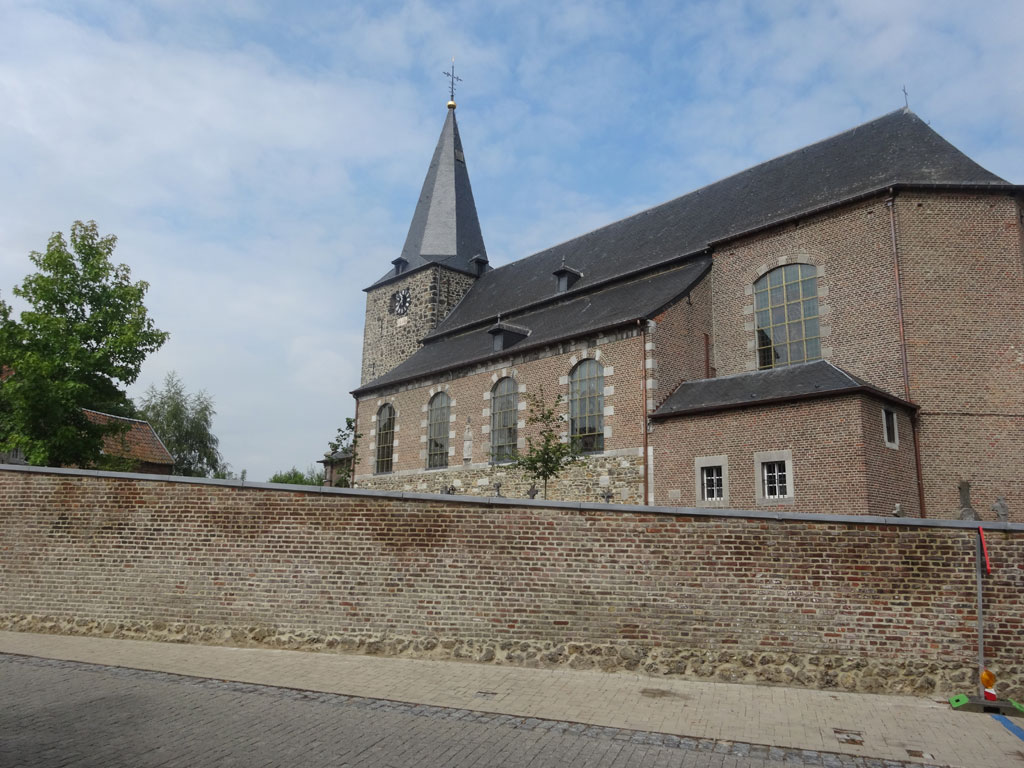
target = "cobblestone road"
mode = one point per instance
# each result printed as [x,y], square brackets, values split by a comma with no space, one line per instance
[59,713]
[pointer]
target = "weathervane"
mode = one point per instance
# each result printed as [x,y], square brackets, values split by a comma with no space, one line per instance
[452,77]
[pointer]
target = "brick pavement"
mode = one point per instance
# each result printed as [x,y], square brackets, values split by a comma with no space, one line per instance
[794,721]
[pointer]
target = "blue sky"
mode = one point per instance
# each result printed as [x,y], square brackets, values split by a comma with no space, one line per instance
[260,161]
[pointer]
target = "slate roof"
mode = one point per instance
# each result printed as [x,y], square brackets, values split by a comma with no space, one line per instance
[140,442]
[445,228]
[896,149]
[577,314]
[805,380]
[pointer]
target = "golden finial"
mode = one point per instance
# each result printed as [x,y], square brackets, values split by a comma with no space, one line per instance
[451,85]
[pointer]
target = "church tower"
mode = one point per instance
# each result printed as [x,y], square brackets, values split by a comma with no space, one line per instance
[443,256]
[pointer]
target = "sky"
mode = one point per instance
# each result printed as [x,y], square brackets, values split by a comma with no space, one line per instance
[259,160]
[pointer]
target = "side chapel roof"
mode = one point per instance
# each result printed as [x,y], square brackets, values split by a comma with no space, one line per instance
[819,378]
[897,149]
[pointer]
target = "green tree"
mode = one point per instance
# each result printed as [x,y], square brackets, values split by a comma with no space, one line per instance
[342,452]
[185,423]
[83,338]
[546,455]
[295,476]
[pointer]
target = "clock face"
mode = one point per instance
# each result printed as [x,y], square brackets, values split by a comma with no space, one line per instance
[400,301]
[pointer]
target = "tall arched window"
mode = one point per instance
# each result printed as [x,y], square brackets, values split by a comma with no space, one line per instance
[586,405]
[385,438]
[437,431]
[786,316]
[504,417]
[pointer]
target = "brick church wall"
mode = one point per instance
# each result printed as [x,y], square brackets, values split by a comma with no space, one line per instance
[809,601]
[676,345]
[845,465]
[545,371]
[962,278]
[856,287]
[963,273]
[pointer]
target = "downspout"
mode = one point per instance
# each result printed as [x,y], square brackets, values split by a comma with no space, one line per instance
[643,410]
[914,421]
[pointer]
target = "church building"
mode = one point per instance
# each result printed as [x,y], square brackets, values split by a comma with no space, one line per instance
[838,330]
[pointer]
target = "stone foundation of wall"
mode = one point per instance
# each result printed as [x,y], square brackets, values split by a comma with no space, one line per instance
[623,475]
[822,671]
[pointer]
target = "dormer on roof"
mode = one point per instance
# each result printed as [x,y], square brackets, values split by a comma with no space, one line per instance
[479,264]
[505,335]
[566,277]
[401,264]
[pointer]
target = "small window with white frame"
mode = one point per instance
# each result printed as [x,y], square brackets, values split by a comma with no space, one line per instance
[711,481]
[774,477]
[890,428]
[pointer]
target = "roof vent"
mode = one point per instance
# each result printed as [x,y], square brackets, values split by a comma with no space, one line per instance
[566,277]
[401,263]
[505,335]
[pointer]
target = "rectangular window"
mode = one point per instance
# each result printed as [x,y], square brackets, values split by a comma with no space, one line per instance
[890,428]
[774,480]
[711,483]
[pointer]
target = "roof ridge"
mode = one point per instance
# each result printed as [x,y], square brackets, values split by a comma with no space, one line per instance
[115,416]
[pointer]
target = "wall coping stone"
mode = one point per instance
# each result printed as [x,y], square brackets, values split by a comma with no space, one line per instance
[501,501]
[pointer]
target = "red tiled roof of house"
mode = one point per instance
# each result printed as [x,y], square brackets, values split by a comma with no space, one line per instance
[141,441]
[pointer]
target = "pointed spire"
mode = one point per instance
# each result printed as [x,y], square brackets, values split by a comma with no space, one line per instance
[445,228]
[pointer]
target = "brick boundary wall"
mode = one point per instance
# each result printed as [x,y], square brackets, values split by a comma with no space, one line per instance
[823,601]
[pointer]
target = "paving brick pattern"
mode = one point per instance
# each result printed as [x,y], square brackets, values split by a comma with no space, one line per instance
[61,713]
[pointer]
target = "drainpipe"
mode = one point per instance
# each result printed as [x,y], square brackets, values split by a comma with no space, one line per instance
[643,389]
[914,421]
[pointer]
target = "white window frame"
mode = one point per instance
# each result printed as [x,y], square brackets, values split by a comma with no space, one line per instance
[699,464]
[764,457]
[895,442]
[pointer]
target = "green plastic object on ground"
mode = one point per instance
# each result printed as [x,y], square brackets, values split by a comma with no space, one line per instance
[1017,705]
[959,700]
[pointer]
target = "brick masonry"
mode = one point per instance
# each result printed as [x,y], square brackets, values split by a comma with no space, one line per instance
[847,466]
[852,604]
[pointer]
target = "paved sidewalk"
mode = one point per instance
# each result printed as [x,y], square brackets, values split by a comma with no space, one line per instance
[890,727]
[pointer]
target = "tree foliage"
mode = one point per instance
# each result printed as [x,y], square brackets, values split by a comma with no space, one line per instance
[185,424]
[546,455]
[295,476]
[345,442]
[83,338]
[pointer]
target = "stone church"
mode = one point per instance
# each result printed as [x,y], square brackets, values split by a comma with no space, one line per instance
[838,330]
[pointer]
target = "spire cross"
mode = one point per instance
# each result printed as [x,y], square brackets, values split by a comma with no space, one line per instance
[906,97]
[452,77]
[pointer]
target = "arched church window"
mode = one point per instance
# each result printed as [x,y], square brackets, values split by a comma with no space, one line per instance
[385,438]
[437,431]
[786,316]
[586,406]
[504,418]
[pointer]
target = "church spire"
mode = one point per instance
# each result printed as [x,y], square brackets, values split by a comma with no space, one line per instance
[445,229]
